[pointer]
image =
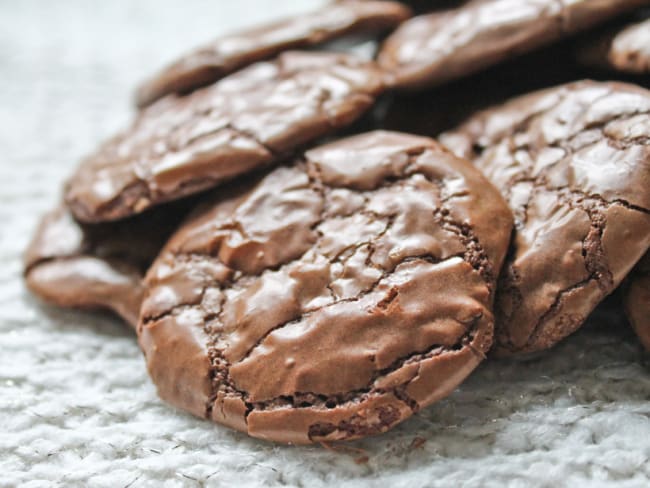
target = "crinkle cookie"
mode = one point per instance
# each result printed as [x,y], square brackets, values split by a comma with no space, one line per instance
[432,49]
[182,145]
[574,164]
[332,299]
[226,55]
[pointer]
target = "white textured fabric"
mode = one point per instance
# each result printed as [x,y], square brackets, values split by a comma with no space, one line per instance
[76,406]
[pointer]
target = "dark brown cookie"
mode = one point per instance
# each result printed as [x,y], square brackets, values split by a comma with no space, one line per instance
[624,48]
[333,299]
[228,54]
[636,299]
[574,163]
[182,145]
[73,265]
[435,48]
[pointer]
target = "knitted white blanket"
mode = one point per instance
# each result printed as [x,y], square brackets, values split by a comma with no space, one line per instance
[76,406]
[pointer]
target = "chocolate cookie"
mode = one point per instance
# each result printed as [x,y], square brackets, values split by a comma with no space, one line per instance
[182,145]
[435,48]
[333,299]
[102,266]
[228,54]
[625,49]
[574,163]
[636,298]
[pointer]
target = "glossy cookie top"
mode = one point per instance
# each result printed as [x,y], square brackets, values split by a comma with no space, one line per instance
[434,48]
[227,54]
[182,145]
[574,164]
[332,299]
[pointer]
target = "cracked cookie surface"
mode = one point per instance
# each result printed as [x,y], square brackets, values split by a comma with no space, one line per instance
[432,49]
[182,145]
[636,299]
[333,298]
[102,266]
[574,164]
[226,55]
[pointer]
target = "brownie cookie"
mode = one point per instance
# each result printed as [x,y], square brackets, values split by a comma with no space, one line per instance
[73,265]
[228,54]
[334,298]
[636,298]
[182,145]
[625,49]
[435,48]
[574,163]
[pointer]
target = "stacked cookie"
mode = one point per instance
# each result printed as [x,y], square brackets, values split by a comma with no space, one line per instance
[296,276]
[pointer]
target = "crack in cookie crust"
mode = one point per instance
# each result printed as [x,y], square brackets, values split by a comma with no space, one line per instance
[181,145]
[574,163]
[354,283]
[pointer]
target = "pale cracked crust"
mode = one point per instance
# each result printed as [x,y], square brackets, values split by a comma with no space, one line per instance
[225,55]
[432,49]
[636,299]
[574,163]
[182,145]
[69,264]
[334,298]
